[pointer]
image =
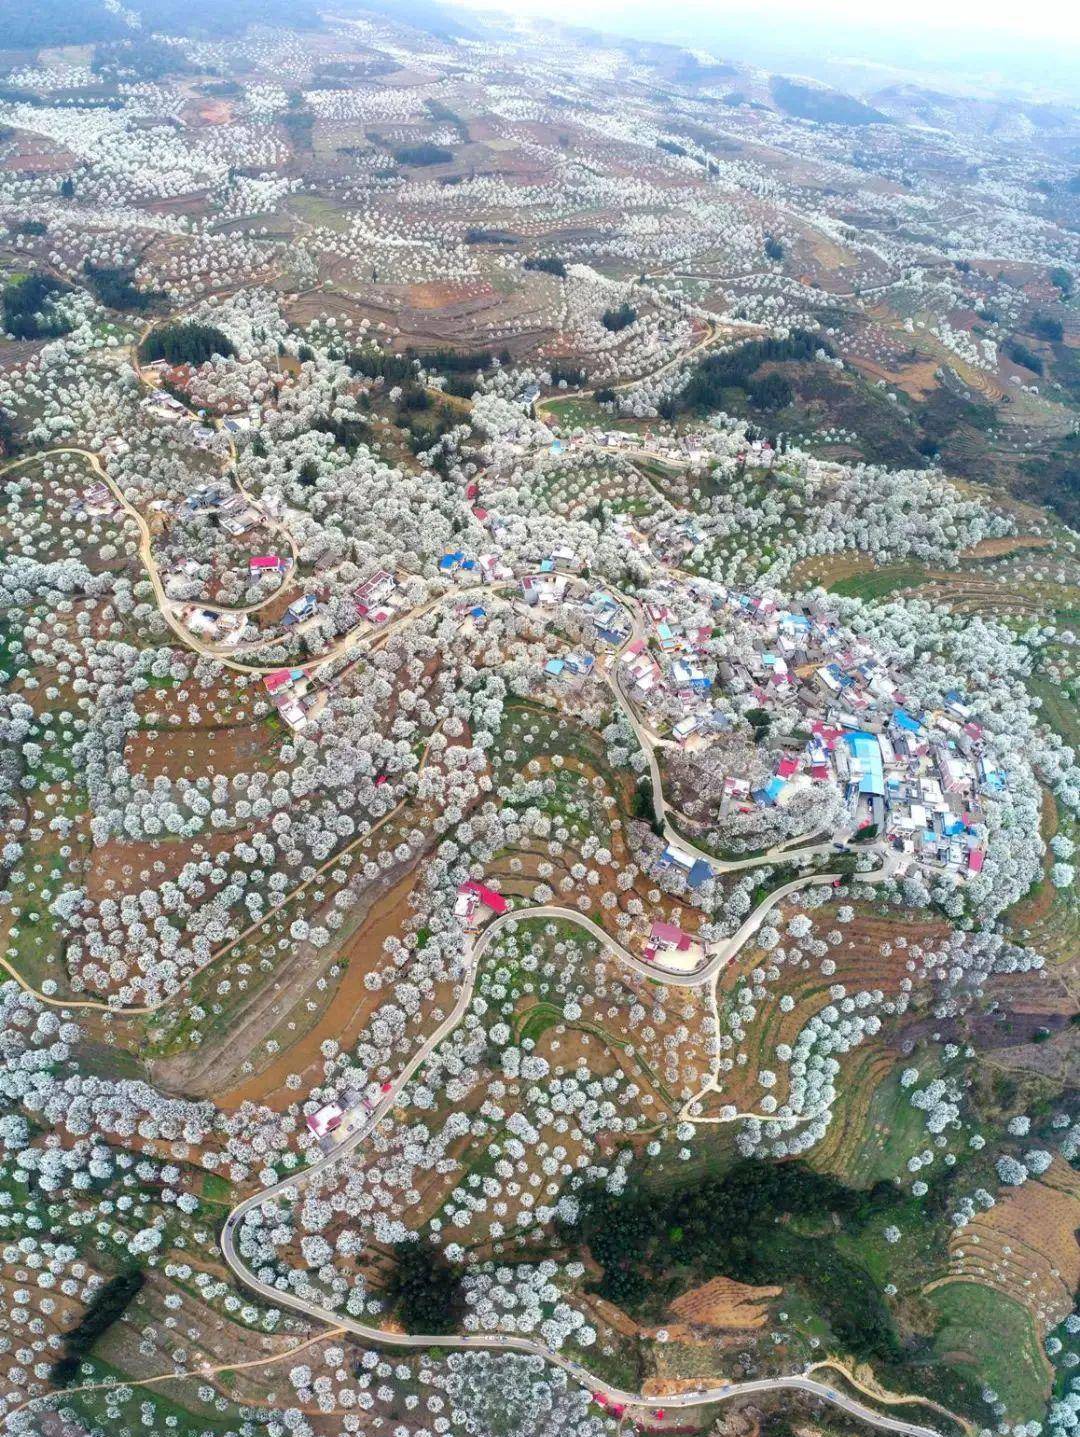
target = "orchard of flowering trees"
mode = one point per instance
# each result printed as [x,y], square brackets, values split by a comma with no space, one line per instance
[426,924]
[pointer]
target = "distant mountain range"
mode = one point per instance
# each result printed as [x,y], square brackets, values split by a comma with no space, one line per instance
[913,105]
[58,22]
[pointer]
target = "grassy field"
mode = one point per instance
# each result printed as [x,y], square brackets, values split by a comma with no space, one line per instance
[572,412]
[987,1338]
[96,1409]
[894,1131]
[880,583]
[216,1188]
[318,211]
[1059,708]
[534,731]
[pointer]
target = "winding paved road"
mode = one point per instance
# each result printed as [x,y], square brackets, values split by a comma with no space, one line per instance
[289,1188]
[711,336]
[783,852]
[719,955]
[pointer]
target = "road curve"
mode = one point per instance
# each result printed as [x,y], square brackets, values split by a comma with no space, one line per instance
[783,852]
[710,337]
[290,1189]
[720,954]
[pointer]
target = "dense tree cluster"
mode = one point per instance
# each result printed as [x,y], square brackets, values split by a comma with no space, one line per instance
[30,309]
[424,1291]
[114,286]
[618,319]
[735,369]
[107,1305]
[760,1223]
[186,343]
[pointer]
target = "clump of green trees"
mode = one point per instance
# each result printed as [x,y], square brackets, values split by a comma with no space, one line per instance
[400,369]
[621,318]
[1046,326]
[459,361]
[381,364]
[27,307]
[571,373]
[1023,356]
[760,1223]
[1063,280]
[424,1290]
[115,287]
[186,344]
[424,154]
[772,391]
[547,264]
[735,370]
[483,234]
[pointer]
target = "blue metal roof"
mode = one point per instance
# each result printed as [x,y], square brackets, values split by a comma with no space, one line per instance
[866,749]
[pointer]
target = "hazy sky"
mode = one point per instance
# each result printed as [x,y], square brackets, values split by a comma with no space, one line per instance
[977,47]
[1052,20]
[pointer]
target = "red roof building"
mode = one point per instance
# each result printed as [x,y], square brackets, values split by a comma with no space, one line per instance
[487,896]
[279,679]
[325,1120]
[670,935]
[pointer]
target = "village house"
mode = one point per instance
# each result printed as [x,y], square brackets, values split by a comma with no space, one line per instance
[224,629]
[471,897]
[371,596]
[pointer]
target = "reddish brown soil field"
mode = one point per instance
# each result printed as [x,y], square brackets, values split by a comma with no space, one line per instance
[191,753]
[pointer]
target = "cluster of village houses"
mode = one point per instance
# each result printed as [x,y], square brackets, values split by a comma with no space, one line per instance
[169,380]
[164,407]
[300,693]
[678,448]
[914,779]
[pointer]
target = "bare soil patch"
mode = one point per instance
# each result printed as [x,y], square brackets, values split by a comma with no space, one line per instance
[117,866]
[1009,544]
[916,380]
[215,112]
[192,753]
[344,1016]
[725,1303]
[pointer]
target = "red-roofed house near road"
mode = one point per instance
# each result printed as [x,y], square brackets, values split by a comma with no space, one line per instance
[487,896]
[670,935]
[325,1120]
